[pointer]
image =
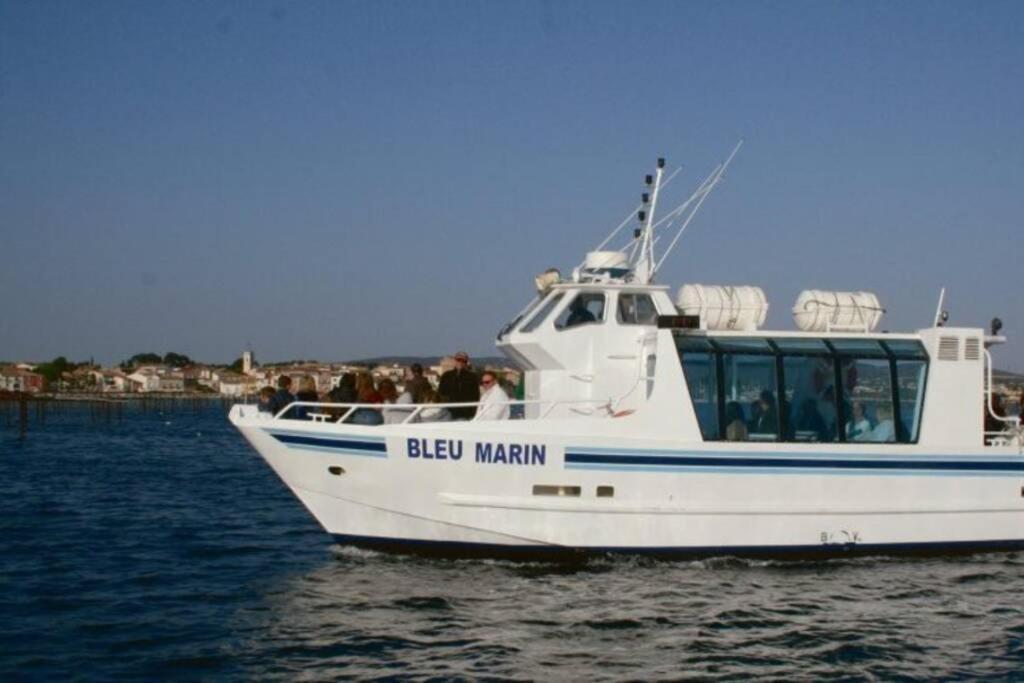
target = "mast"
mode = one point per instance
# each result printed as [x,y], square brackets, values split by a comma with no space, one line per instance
[643,269]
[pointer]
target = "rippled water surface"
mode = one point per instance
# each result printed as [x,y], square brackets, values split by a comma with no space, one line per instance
[160,546]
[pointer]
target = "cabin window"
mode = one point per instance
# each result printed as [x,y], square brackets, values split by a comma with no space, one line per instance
[587,307]
[637,309]
[543,313]
[751,398]
[805,389]
[810,393]
[867,397]
[702,379]
[910,380]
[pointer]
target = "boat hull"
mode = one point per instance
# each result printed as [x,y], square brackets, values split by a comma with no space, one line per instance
[539,489]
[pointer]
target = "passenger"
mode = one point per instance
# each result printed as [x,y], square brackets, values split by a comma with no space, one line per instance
[306,392]
[767,420]
[432,414]
[885,430]
[365,416]
[397,415]
[282,397]
[266,394]
[390,394]
[578,314]
[416,382]
[858,427]
[366,390]
[810,420]
[388,391]
[736,426]
[345,392]
[460,385]
[493,400]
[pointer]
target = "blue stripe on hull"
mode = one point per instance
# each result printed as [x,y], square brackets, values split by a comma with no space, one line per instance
[377,448]
[453,549]
[767,464]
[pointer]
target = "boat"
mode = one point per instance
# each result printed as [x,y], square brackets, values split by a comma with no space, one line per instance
[679,428]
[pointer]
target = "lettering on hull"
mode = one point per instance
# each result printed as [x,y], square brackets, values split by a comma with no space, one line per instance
[524,454]
[434,449]
[511,454]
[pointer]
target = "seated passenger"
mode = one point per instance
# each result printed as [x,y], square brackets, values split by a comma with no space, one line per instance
[266,393]
[415,381]
[365,416]
[766,421]
[810,420]
[735,425]
[578,314]
[493,399]
[432,414]
[345,392]
[282,397]
[885,430]
[306,392]
[858,427]
[366,390]
[389,393]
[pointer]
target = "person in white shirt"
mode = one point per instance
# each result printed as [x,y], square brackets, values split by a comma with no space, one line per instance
[858,428]
[493,399]
[885,430]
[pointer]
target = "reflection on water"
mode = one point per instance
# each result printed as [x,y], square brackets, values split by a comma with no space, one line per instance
[161,547]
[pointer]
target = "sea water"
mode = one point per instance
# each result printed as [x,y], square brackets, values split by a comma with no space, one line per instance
[159,546]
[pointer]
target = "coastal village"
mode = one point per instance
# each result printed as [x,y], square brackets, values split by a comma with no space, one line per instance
[176,375]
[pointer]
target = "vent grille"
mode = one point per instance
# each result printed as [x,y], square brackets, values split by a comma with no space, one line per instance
[972,348]
[949,348]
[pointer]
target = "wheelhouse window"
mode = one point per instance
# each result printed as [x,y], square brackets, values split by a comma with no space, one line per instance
[521,317]
[587,307]
[637,309]
[805,389]
[545,310]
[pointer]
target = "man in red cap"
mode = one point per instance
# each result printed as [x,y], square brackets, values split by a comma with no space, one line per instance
[460,385]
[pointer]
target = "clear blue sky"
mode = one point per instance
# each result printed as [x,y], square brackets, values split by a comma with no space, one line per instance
[342,179]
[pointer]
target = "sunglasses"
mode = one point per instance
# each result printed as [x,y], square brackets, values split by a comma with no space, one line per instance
[487,382]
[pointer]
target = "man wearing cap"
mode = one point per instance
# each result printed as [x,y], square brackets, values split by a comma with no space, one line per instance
[460,385]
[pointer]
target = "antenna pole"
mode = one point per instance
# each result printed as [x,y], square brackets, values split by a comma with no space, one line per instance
[630,217]
[645,266]
[938,309]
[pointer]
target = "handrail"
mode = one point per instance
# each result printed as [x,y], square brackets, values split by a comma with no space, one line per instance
[414,409]
[1012,419]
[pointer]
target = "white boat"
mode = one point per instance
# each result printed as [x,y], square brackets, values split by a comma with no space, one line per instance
[680,428]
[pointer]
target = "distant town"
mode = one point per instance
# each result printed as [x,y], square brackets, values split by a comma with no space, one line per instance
[174,374]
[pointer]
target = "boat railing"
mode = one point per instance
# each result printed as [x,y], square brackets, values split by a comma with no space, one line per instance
[317,411]
[1011,434]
